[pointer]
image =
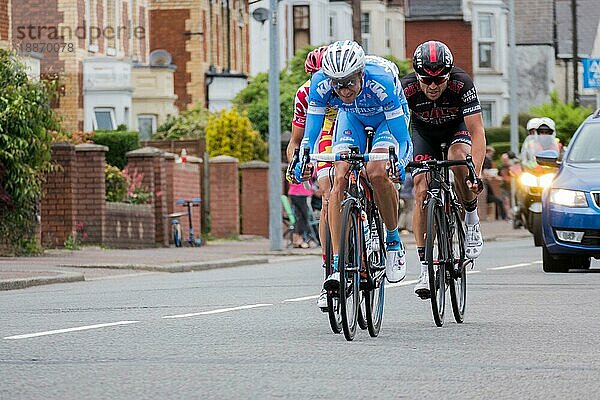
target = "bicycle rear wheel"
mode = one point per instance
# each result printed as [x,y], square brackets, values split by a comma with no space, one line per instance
[333,303]
[436,256]
[458,274]
[349,264]
[374,298]
[177,235]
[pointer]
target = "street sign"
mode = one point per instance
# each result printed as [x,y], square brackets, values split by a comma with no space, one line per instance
[591,73]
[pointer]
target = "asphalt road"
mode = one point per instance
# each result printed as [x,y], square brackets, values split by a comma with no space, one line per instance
[255,332]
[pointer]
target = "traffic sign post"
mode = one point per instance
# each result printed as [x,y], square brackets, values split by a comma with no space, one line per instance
[591,76]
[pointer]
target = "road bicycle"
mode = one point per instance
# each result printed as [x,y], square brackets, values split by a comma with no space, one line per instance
[176,229]
[445,236]
[361,259]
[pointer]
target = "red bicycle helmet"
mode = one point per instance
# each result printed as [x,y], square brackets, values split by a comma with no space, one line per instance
[433,58]
[313,60]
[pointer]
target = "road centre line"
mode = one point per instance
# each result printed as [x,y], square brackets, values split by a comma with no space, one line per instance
[300,299]
[510,266]
[217,311]
[67,330]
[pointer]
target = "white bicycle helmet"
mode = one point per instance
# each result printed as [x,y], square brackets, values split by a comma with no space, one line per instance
[342,59]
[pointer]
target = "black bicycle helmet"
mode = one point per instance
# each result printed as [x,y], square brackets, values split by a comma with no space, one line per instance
[433,58]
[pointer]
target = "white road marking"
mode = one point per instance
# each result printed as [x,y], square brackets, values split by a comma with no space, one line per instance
[300,299]
[79,328]
[537,262]
[473,272]
[218,311]
[510,266]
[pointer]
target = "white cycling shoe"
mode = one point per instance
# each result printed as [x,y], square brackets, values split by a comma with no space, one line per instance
[473,241]
[395,265]
[422,286]
[322,300]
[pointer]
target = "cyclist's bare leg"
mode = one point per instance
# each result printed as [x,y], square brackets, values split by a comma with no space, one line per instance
[458,151]
[386,196]
[325,188]
[335,203]
[419,218]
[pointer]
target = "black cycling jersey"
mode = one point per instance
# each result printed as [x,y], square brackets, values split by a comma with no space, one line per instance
[456,102]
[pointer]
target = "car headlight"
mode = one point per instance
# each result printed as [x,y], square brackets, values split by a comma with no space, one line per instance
[528,179]
[546,180]
[569,198]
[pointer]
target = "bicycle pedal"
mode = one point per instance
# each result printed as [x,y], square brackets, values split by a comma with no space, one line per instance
[423,294]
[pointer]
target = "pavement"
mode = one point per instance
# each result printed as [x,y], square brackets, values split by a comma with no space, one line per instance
[93,263]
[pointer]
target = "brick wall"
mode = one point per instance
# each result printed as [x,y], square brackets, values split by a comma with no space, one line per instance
[129,225]
[90,190]
[224,196]
[4,21]
[168,28]
[186,185]
[455,33]
[58,204]
[255,198]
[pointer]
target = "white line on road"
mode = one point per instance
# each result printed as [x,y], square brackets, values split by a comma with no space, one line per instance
[510,266]
[300,299]
[218,311]
[79,328]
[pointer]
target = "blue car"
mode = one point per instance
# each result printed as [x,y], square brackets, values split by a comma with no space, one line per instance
[571,204]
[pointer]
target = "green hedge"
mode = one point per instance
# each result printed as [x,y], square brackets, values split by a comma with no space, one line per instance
[500,147]
[502,134]
[118,143]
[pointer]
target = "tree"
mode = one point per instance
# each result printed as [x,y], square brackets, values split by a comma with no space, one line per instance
[230,133]
[26,120]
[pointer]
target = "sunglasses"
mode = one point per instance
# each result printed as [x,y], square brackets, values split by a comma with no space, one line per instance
[345,83]
[428,80]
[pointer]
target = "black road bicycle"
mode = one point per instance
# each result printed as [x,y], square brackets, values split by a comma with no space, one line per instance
[361,259]
[445,236]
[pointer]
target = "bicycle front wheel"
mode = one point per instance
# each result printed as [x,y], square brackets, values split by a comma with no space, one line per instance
[349,260]
[374,298]
[436,256]
[333,303]
[458,274]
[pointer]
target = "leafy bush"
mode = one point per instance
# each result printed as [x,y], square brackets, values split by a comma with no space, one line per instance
[404,66]
[118,143]
[230,133]
[567,116]
[502,134]
[116,185]
[522,120]
[136,194]
[189,124]
[26,120]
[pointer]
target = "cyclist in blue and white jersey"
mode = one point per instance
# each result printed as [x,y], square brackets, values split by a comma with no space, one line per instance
[367,92]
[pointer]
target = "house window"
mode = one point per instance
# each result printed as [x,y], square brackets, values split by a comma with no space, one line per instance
[487,42]
[301,27]
[487,109]
[365,29]
[146,126]
[104,119]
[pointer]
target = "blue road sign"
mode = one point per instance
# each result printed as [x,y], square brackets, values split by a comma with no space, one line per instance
[591,73]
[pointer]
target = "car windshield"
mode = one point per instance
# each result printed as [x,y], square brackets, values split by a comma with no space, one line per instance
[586,146]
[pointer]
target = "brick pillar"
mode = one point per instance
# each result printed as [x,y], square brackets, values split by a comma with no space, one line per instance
[150,162]
[224,196]
[58,203]
[255,198]
[91,191]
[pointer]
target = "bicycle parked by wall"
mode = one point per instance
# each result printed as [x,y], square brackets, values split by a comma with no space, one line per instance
[445,236]
[360,296]
[177,230]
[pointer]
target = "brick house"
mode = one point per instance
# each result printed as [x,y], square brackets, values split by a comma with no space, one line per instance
[96,62]
[210,45]
[4,23]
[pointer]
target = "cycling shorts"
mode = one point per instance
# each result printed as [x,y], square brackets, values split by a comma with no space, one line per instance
[350,131]
[427,141]
[324,146]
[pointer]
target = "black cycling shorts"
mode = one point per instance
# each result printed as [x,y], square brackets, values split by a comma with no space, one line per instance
[427,141]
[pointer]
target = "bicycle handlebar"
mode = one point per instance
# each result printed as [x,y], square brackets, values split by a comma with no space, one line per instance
[439,164]
[330,157]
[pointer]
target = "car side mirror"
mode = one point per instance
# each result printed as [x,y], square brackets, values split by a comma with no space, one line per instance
[548,158]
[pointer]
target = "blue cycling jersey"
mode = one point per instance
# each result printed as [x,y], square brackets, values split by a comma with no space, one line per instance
[381,94]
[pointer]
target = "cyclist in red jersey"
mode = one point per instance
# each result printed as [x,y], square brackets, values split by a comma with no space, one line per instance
[444,109]
[324,177]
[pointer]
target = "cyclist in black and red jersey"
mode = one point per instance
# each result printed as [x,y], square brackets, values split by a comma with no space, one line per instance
[444,109]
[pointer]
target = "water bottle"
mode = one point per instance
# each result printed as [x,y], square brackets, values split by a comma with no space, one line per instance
[374,238]
[366,231]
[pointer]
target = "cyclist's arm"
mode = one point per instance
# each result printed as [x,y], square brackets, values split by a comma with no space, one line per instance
[319,94]
[295,139]
[398,124]
[474,123]
[298,121]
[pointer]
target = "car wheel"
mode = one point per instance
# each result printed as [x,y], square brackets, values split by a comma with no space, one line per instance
[536,229]
[554,263]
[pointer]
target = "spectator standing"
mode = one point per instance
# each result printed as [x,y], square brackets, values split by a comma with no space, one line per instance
[299,196]
[491,178]
[407,198]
